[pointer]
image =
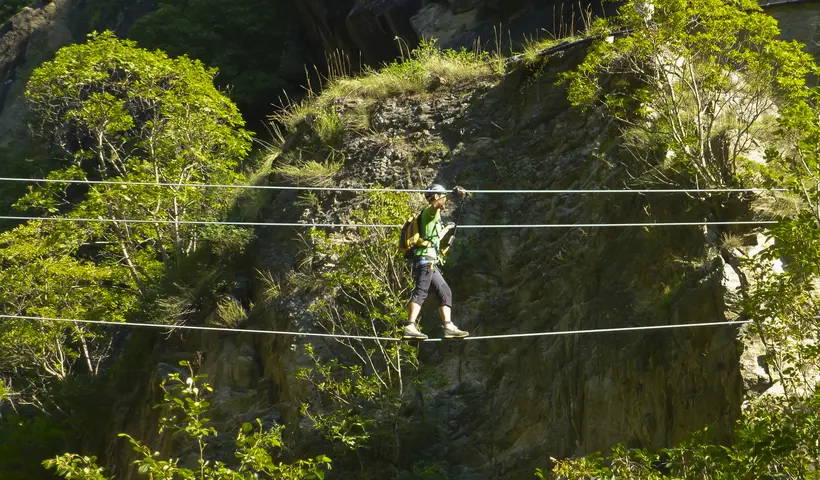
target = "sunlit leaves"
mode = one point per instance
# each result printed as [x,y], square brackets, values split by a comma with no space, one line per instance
[364,283]
[691,74]
[127,114]
[120,114]
[184,407]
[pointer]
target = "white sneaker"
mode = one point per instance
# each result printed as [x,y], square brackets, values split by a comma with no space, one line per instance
[411,332]
[452,331]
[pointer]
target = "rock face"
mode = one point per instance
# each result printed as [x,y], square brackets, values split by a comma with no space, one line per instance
[510,403]
[352,27]
[503,406]
[376,31]
[798,21]
[27,40]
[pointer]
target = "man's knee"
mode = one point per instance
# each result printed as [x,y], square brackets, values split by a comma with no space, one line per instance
[444,294]
[419,296]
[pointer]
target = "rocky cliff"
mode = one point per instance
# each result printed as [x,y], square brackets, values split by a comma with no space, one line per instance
[503,406]
[377,31]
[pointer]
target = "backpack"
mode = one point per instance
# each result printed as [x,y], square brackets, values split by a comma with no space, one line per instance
[411,236]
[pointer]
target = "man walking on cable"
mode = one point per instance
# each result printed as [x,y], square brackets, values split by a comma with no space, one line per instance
[426,261]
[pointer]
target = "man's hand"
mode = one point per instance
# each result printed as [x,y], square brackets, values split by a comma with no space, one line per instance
[449,225]
[460,191]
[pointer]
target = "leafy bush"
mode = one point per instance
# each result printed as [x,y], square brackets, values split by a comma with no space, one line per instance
[358,386]
[701,96]
[185,405]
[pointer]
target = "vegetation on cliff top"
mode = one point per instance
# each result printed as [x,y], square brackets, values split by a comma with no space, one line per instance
[425,69]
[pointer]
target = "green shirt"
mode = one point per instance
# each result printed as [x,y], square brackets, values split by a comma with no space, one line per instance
[431,230]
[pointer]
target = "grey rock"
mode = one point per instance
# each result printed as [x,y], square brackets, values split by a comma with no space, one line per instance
[461,6]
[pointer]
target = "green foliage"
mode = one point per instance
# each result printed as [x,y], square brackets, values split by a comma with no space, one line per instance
[46,273]
[708,78]
[128,114]
[401,77]
[73,466]
[699,96]
[328,124]
[254,43]
[185,406]
[776,438]
[10,8]
[364,284]
[271,286]
[783,304]
[230,312]
[121,114]
[532,56]
[25,159]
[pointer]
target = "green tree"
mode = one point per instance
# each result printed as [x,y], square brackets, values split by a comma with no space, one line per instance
[185,405]
[693,83]
[124,113]
[710,78]
[119,113]
[44,274]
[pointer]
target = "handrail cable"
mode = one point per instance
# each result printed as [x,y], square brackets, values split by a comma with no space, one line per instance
[366,337]
[384,225]
[406,190]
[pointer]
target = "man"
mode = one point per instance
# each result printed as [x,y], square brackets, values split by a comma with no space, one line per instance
[426,261]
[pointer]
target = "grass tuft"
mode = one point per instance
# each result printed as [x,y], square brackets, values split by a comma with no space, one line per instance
[531,56]
[271,286]
[730,241]
[328,125]
[230,312]
[312,173]
[427,65]
[778,205]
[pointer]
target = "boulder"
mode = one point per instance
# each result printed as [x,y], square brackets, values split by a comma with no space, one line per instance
[365,30]
[461,6]
[437,21]
[324,26]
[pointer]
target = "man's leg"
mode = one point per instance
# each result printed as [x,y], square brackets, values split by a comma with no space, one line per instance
[444,312]
[445,301]
[422,274]
[413,310]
